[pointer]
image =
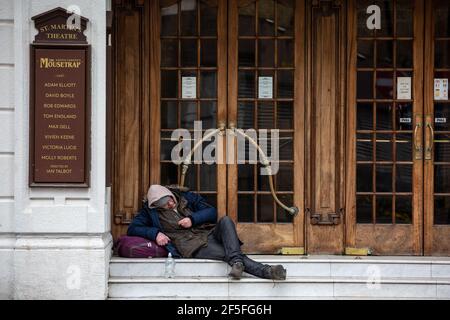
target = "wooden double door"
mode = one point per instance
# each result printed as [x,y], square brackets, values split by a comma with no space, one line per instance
[365,167]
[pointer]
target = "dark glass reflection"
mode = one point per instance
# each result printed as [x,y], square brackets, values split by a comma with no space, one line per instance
[403,210]
[262,181]
[208,88]
[169,115]
[384,178]
[285,53]
[404,116]
[442,178]
[246,115]
[266,115]
[364,147]
[405,16]
[387,22]
[285,115]
[282,215]
[385,54]
[169,53]
[246,208]
[166,149]
[404,54]
[266,53]
[169,174]
[404,147]
[403,178]
[284,178]
[188,53]
[285,84]
[362,6]
[191,177]
[208,114]
[265,208]
[188,115]
[169,84]
[385,85]
[384,147]
[208,177]
[285,13]
[208,53]
[247,18]
[441,18]
[247,53]
[364,209]
[246,84]
[211,199]
[365,54]
[384,116]
[246,177]
[266,13]
[189,17]
[442,148]
[285,145]
[384,209]
[208,19]
[442,210]
[442,116]
[365,85]
[364,178]
[364,116]
[442,54]
[169,20]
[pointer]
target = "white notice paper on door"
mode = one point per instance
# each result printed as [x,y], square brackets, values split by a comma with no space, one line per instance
[265,88]
[404,88]
[189,87]
[440,89]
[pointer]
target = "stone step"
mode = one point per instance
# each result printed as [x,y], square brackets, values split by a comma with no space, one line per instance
[297,266]
[293,287]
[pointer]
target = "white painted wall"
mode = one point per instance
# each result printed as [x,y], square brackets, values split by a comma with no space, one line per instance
[49,238]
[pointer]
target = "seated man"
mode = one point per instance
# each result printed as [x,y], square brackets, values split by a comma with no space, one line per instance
[185,224]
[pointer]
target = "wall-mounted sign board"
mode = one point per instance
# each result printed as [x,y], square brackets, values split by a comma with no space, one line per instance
[59,103]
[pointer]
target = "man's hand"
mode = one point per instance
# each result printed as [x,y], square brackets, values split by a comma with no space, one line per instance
[185,223]
[162,239]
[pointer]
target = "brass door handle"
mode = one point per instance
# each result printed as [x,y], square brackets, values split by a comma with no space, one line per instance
[418,147]
[429,139]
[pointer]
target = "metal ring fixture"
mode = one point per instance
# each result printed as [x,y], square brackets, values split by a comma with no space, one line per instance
[265,162]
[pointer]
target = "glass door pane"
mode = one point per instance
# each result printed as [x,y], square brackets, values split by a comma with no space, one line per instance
[189,42]
[387,201]
[263,80]
[265,51]
[437,132]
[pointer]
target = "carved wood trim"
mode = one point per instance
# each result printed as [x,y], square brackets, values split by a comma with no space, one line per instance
[130,111]
[326,113]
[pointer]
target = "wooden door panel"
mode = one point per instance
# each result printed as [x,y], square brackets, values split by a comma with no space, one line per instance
[131,166]
[324,224]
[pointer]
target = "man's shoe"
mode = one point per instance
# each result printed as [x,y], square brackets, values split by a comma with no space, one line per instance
[277,272]
[236,270]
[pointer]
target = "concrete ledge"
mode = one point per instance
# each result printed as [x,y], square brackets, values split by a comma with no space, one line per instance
[61,266]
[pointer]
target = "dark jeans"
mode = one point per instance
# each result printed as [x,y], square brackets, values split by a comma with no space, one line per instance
[224,245]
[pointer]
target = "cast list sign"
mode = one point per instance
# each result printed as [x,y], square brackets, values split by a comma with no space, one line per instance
[59,126]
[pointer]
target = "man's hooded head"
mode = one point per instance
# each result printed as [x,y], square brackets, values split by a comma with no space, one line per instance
[158,196]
